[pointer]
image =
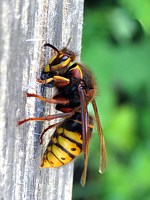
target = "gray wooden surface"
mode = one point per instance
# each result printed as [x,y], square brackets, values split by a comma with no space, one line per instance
[24,27]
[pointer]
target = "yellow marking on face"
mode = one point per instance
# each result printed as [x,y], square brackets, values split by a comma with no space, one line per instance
[71,63]
[61,55]
[60,65]
[60,154]
[71,147]
[47,68]
[52,59]
[73,135]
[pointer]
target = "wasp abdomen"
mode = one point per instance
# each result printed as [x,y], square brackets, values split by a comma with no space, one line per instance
[66,143]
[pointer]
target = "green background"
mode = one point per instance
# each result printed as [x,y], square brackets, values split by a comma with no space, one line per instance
[116,47]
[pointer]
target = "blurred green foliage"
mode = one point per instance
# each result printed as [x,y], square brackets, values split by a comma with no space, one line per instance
[116,47]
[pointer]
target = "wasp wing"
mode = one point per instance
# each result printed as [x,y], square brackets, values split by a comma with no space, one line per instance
[102,165]
[85,135]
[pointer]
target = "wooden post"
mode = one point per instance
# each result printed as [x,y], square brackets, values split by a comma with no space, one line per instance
[24,27]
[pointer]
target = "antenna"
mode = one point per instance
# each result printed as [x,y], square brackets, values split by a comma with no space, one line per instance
[68,41]
[51,46]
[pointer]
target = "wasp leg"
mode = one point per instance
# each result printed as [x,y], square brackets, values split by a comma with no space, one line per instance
[44,81]
[57,100]
[47,118]
[60,81]
[45,130]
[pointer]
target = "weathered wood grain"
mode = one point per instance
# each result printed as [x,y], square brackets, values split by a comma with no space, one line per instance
[24,27]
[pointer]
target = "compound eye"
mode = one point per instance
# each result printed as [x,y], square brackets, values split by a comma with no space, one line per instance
[63,58]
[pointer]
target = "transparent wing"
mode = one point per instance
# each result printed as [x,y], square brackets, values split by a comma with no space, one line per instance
[85,135]
[102,165]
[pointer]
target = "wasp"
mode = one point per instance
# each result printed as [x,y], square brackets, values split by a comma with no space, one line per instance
[76,88]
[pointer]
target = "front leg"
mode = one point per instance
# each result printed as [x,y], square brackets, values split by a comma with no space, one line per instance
[59,81]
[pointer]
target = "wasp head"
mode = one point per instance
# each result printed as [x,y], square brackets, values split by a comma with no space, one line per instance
[60,60]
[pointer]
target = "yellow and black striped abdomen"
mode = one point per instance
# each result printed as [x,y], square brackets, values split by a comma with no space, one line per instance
[66,142]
